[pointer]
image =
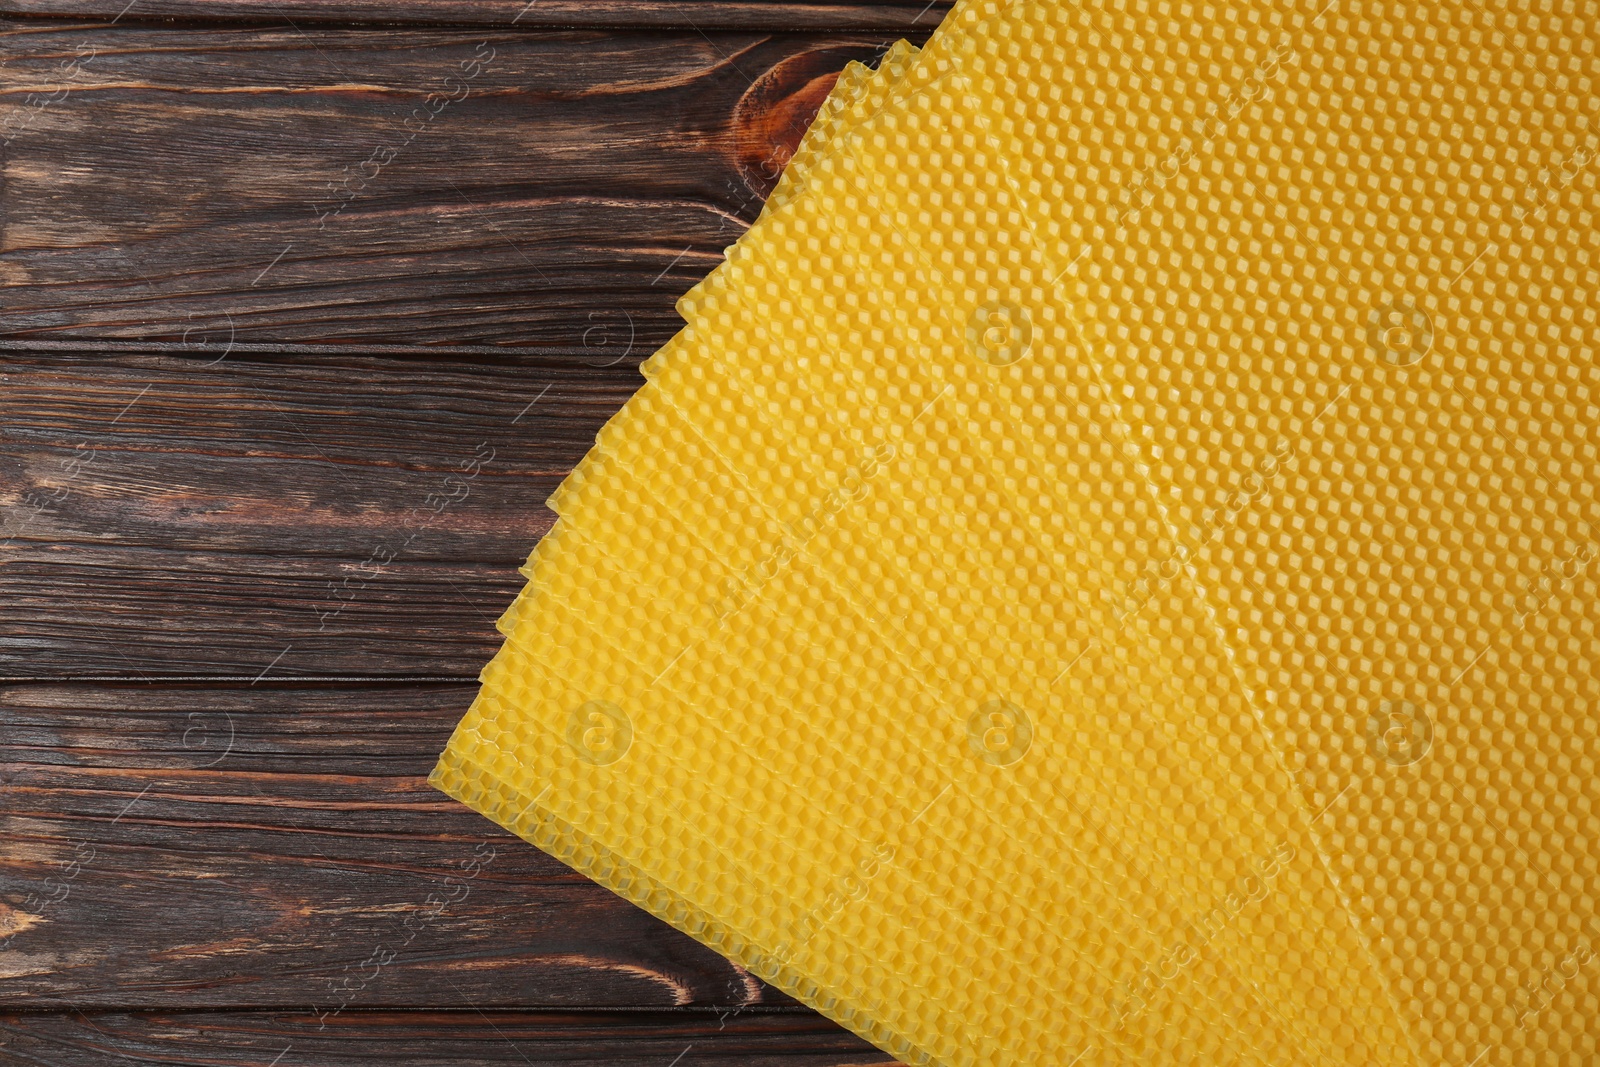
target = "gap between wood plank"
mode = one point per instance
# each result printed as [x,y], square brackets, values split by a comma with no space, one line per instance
[213,353]
[555,1010]
[912,19]
[223,680]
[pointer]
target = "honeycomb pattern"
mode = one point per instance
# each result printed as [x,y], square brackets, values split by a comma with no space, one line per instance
[1107,572]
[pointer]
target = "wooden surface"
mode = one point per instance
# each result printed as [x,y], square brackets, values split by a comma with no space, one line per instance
[418,186]
[284,383]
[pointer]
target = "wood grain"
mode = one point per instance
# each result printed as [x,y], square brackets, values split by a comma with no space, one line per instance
[303,184]
[276,845]
[287,371]
[167,517]
[431,1039]
[898,16]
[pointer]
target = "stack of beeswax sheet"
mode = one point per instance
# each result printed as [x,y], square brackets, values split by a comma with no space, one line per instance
[1105,574]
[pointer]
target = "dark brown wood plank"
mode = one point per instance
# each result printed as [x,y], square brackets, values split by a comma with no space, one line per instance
[430,1039]
[276,845]
[899,16]
[297,184]
[170,517]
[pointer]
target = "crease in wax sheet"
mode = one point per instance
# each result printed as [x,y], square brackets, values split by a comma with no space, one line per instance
[1380,396]
[1385,1028]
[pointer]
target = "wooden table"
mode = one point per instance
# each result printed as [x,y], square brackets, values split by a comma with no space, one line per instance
[307,307]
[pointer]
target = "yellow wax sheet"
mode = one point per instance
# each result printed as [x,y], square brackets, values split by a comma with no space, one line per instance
[1105,574]
[1341,284]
